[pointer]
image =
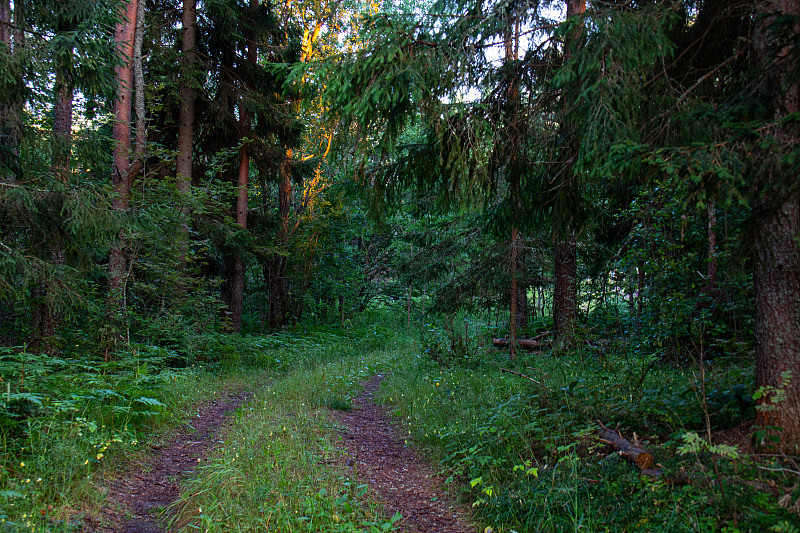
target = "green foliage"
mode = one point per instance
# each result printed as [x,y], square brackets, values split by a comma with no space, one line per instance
[63,419]
[524,454]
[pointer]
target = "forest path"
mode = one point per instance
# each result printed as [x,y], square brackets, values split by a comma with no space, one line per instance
[150,485]
[406,483]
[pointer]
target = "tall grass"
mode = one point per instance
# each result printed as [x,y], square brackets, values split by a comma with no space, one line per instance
[67,424]
[522,451]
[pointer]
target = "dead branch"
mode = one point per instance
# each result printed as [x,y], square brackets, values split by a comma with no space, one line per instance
[633,452]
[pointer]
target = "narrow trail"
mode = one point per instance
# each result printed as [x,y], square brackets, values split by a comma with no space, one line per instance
[150,486]
[406,484]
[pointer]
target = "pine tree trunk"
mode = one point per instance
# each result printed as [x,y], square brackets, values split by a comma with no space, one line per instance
[186,91]
[278,289]
[522,306]
[238,275]
[777,256]
[120,174]
[565,294]
[711,277]
[237,278]
[5,23]
[512,322]
[48,316]
[8,128]
[139,104]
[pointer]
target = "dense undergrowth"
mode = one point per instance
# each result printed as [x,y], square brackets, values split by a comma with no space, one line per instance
[68,425]
[66,421]
[524,452]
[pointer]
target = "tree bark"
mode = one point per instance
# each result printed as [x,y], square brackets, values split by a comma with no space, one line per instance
[528,344]
[278,288]
[120,173]
[777,256]
[633,452]
[62,126]
[237,278]
[512,146]
[8,128]
[138,84]
[183,173]
[5,22]
[512,323]
[565,294]
[711,276]
[48,317]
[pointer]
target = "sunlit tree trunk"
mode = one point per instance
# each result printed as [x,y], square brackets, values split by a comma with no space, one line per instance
[139,104]
[777,255]
[565,294]
[121,171]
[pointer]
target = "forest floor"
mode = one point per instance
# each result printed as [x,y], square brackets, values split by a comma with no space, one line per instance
[407,484]
[375,450]
[140,494]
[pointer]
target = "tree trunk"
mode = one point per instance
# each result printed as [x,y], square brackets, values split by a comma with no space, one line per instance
[512,322]
[237,278]
[565,292]
[565,295]
[5,23]
[48,316]
[183,173]
[777,321]
[278,289]
[8,126]
[511,148]
[120,174]
[711,277]
[522,306]
[777,256]
[62,126]
[138,83]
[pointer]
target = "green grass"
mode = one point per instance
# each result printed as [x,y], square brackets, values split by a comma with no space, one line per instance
[282,466]
[67,425]
[525,456]
[522,453]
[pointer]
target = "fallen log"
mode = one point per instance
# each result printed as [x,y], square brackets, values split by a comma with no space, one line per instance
[633,452]
[541,335]
[528,344]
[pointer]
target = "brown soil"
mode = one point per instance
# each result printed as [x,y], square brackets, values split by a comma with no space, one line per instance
[149,486]
[740,435]
[381,457]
